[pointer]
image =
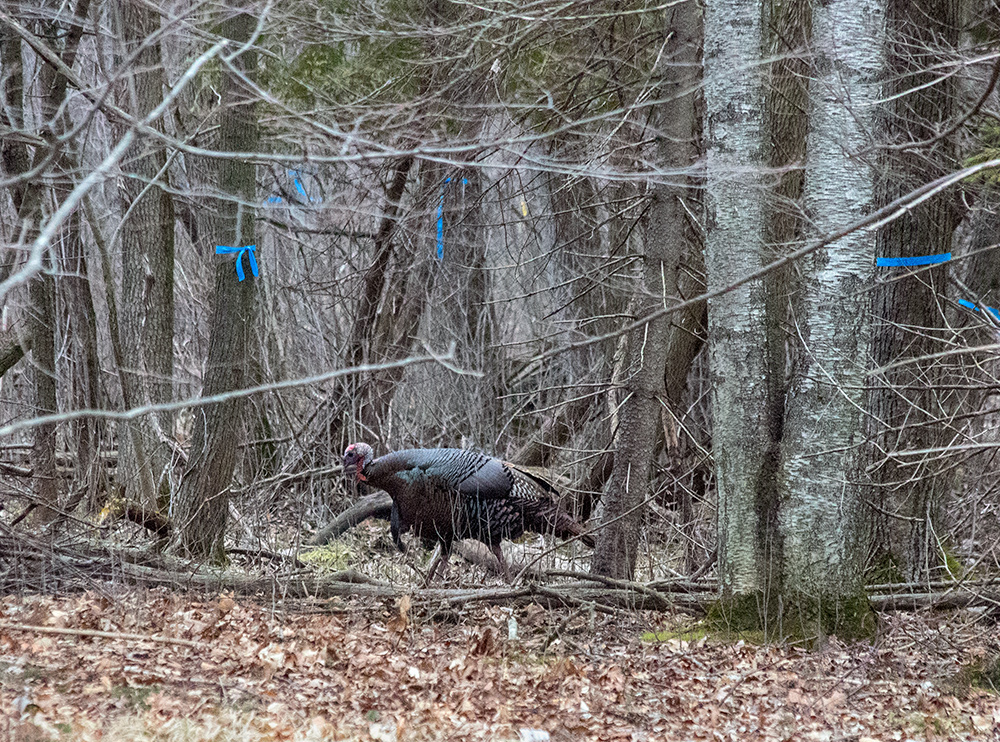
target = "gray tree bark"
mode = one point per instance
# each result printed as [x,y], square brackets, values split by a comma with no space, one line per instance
[85,366]
[29,197]
[668,239]
[201,503]
[822,508]
[906,403]
[147,268]
[41,292]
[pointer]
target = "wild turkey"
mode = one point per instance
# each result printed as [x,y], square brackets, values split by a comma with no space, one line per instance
[445,494]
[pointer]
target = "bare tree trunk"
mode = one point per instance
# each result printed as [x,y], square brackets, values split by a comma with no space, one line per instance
[29,197]
[85,374]
[147,269]
[821,517]
[201,504]
[668,238]
[13,153]
[907,402]
[41,291]
[398,325]
[785,121]
[743,441]
[375,277]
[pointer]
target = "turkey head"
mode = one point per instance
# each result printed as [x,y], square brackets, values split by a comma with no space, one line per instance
[356,457]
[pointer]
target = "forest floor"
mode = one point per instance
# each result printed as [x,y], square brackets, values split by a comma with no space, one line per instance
[157,665]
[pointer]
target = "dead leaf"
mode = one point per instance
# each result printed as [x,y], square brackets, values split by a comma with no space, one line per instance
[613,678]
[225,605]
[834,700]
[401,621]
[982,723]
[383,732]
[485,643]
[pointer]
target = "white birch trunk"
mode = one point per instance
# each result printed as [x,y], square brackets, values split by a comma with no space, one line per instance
[820,516]
[735,209]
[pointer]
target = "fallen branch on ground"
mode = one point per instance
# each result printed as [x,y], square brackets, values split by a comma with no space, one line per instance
[377,505]
[101,634]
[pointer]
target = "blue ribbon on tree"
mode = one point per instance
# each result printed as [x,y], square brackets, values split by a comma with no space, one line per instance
[240,251]
[440,222]
[440,217]
[295,175]
[969,305]
[922,260]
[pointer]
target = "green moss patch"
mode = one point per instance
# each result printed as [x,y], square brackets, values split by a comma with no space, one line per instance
[331,557]
[793,617]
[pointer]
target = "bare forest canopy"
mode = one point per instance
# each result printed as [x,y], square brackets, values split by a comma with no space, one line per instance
[629,246]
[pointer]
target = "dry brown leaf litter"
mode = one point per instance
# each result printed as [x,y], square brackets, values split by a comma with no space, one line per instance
[368,674]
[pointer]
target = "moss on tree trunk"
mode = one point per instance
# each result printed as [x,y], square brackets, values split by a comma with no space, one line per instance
[793,615]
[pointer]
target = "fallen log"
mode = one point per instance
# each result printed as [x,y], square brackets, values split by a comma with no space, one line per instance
[376,505]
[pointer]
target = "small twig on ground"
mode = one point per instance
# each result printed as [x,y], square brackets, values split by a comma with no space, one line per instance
[102,634]
[265,554]
[567,599]
[554,634]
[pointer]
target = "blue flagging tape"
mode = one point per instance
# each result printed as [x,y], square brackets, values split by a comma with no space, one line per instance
[440,217]
[922,260]
[247,250]
[299,187]
[969,305]
[931,260]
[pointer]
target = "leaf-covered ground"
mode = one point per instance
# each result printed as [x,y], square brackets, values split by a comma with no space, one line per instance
[261,672]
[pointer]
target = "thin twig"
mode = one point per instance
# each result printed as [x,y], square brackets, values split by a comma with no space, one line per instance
[102,634]
[135,412]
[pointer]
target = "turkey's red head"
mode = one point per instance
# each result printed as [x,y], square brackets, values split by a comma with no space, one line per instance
[356,457]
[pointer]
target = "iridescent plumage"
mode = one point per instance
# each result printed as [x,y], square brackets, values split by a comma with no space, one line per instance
[446,494]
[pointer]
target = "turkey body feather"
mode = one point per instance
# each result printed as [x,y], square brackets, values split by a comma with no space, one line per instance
[445,494]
